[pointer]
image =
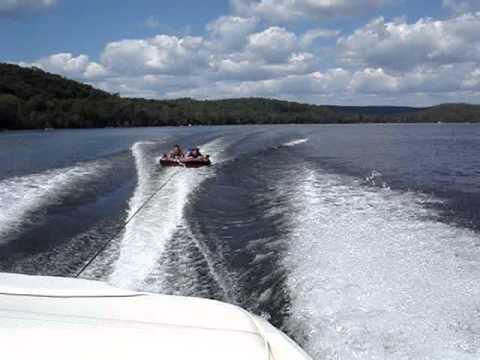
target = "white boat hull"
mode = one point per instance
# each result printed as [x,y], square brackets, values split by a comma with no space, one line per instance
[58,318]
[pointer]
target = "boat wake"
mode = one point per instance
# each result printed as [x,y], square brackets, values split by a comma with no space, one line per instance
[146,237]
[373,274]
[23,198]
[296,142]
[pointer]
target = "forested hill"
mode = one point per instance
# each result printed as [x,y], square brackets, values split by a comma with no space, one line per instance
[33,99]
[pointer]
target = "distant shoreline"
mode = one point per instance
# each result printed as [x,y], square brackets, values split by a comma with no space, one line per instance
[31,99]
[10,131]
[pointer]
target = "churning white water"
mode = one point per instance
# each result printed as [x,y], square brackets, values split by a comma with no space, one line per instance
[296,142]
[23,196]
[373,274]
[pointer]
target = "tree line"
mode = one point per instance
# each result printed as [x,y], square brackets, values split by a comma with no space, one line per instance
[33,99]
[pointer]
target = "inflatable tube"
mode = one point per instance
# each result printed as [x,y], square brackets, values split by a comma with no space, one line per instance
[185,163]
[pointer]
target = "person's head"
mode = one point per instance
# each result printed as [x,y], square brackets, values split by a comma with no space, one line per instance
[195,151]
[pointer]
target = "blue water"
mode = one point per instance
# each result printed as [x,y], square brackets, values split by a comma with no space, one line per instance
[360,241]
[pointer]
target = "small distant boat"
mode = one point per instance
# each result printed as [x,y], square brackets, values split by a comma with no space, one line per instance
[185,162]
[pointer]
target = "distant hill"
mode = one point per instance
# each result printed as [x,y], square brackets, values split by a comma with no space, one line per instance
[376,110]
[33,99]
[27,83]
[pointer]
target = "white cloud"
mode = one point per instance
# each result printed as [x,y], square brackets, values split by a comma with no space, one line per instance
[461,6]
[257,69]
[295,87]
[422,86]
[269,54]
[472,80]
[231,32]
[160,54]
[340,86]
[435,80]
[287,10]
[66,64]
[394,62]
[9,7]
[272,53]
[399,45]
[310,36]
[373,81]
[274,44]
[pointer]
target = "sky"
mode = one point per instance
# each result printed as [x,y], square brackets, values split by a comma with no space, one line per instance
[338,52]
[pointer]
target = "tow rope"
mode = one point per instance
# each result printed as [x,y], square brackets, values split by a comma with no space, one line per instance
[104,246]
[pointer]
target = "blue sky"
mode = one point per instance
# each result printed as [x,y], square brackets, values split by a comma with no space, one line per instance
[86,26]
[358,52]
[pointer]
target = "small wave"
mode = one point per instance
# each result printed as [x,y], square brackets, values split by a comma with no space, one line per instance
[373,275]
[23,197]
[295,142]
[376,179]
[188,268]
[67,257]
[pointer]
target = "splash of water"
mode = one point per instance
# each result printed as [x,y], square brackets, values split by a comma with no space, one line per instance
[375,275]
[296,142]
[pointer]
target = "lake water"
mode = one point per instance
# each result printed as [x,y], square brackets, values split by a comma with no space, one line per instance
[360,241]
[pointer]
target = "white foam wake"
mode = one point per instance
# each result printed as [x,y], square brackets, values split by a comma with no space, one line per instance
[296,142]
[22,197]
[373,275]
[146,236]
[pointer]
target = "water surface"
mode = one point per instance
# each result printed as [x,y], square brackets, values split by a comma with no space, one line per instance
[360,241]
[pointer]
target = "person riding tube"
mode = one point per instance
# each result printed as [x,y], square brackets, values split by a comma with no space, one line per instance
[176,153]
